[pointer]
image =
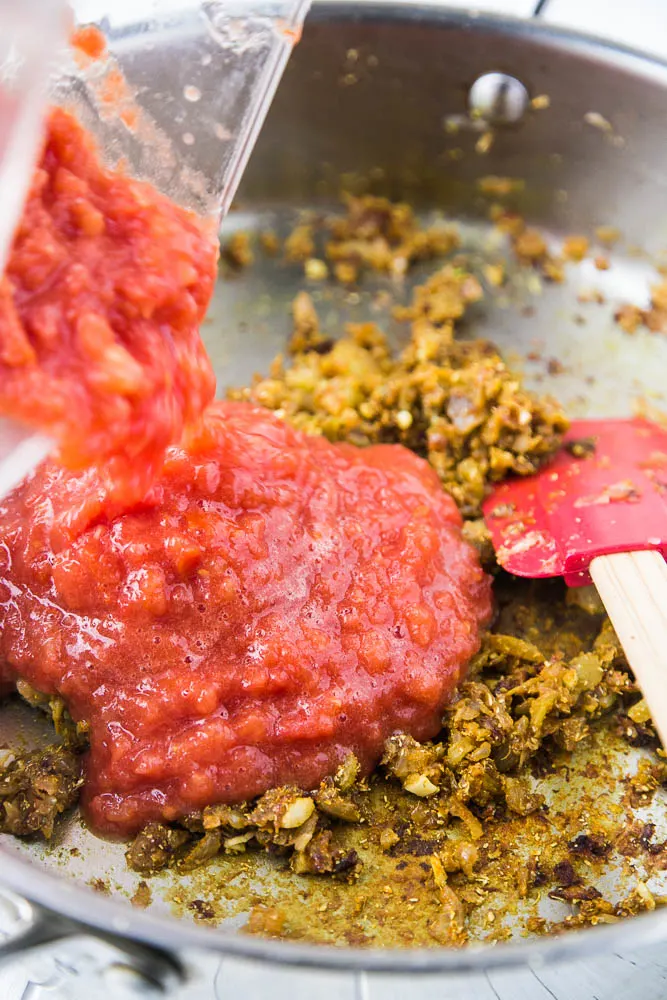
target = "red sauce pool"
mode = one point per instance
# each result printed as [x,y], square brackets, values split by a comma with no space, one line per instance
[104,291]
[273,603]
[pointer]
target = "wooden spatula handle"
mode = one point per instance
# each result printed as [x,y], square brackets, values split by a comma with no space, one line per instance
[633,588]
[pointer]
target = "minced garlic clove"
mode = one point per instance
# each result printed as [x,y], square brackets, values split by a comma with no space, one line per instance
[419,784]
[297,813]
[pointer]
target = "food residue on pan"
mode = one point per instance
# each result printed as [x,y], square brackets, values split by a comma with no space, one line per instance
[630,317]
[161,594]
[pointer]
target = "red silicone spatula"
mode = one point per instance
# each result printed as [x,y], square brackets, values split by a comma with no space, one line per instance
[598,512]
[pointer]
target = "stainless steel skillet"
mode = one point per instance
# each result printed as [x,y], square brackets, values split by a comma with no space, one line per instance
[382,91]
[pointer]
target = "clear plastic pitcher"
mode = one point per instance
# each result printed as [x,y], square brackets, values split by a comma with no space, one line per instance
[199,76]
[179,98]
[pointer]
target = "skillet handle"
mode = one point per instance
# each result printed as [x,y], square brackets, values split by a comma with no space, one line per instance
[125,966]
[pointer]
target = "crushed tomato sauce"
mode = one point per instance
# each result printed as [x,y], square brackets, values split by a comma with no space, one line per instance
[273,603]
[105,288]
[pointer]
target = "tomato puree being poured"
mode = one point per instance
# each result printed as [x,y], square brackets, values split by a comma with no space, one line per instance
[105,288]
[229,611]
[273,603]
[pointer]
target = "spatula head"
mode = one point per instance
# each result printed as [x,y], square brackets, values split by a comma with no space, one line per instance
[605,491]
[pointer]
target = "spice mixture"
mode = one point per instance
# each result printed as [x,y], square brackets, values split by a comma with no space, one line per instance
[416,851]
